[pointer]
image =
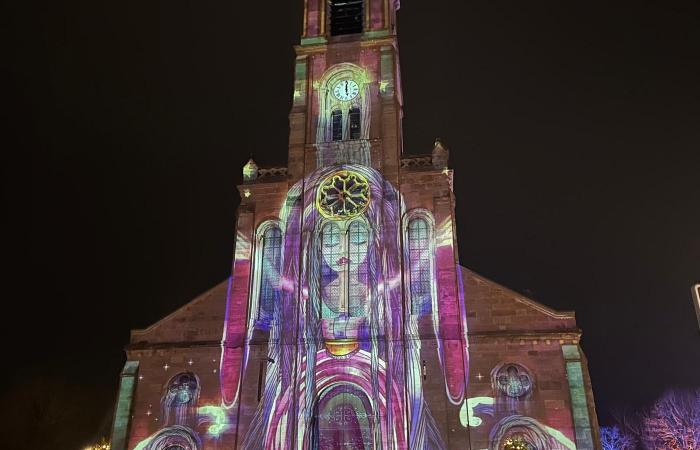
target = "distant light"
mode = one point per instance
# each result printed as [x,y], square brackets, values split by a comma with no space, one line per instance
[103,445]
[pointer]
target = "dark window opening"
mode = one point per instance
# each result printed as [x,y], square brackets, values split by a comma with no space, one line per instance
[261,378]
[346,17]
[355,123]
[337,125]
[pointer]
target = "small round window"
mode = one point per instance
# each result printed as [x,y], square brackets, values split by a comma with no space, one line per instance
[513,380]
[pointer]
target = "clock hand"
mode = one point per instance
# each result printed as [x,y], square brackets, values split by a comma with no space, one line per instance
[346,88]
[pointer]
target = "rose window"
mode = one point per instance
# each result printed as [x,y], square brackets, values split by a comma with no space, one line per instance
[343,195]
[513,381]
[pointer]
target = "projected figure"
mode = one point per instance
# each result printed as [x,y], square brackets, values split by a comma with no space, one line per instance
[352,382]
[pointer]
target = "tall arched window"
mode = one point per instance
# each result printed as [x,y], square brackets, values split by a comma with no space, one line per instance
[420,263]
[331,282]
[355,122]
[344,270]
[337,125]
[357,264]
[180,399]
[270,273]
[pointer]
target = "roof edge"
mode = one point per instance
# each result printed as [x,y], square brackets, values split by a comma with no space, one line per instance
[525,300]
[155,325]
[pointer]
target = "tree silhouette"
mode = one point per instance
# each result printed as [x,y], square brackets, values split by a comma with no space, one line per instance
[612,438]
[673,423]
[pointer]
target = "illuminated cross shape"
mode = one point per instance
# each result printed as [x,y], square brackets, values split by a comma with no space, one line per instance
[166,366]
[480,376]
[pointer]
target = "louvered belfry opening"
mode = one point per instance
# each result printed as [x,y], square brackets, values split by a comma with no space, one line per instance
[346,17]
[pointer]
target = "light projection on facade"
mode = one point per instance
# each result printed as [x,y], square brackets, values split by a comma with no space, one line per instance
[347,322]
[348,384]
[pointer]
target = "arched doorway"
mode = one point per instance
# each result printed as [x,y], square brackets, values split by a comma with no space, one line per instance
[343,420]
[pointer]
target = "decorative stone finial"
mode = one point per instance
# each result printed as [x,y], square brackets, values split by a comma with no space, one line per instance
[250,171]
[441,155]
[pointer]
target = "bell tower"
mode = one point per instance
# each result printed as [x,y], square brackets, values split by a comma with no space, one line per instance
[347,93]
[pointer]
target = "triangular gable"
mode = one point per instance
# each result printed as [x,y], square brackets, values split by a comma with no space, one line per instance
[199,321]
[495,308]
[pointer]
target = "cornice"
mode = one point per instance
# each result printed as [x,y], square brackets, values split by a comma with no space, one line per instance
[309,49]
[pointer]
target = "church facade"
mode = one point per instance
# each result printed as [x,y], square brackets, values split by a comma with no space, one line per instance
[347,322]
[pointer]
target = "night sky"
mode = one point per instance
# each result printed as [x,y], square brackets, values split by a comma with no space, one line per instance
[574,130]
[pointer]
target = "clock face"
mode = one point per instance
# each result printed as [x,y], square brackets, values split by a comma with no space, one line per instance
[343,195]
[346,90]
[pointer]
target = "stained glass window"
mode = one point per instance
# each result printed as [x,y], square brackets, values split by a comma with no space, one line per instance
[182,389]
[513,380]
[344,271]
[331,272]
[180,399]
[420,261]
[355,123]
[359,273]
[270,274]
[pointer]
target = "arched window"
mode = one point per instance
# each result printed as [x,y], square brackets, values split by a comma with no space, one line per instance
[355,129]
[337,125]
[180,399]
[358,237]
[331,281]
[270,273]
[346,16]
[344,272]
[182,389]
[420,262]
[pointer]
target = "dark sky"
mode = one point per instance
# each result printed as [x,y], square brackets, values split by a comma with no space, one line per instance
[574,129]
